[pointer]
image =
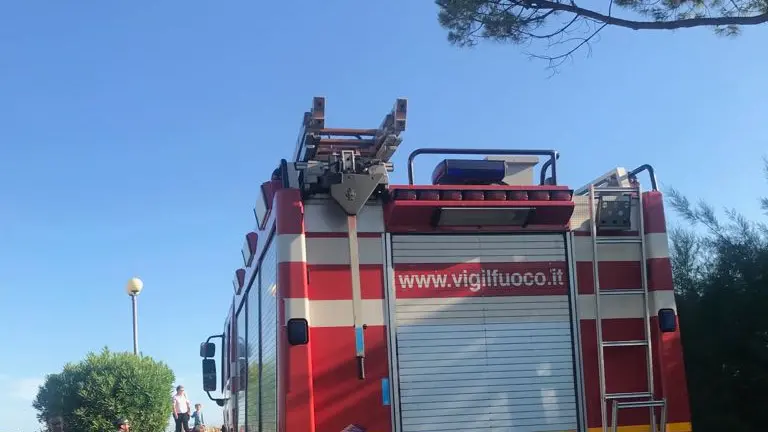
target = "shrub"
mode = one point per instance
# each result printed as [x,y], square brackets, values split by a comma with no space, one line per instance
[92,394]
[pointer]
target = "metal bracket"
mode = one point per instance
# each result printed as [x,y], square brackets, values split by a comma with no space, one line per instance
[357,296]
[352,191]
[347,162]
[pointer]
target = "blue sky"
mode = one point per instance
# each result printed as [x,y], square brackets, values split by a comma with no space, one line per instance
[133,137]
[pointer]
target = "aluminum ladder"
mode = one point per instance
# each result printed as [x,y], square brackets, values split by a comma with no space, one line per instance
[350,165]
[623,400]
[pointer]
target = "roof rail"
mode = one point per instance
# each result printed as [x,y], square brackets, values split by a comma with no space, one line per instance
[651,174]
[619,177]
[553,156]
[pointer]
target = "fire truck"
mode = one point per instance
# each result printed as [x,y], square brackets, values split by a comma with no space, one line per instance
[492,299]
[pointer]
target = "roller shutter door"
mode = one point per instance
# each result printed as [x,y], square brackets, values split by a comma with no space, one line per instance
[483,333]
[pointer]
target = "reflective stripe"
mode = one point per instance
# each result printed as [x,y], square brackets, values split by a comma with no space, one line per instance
[291,248]
[385,391]
[656,246]
[338,313]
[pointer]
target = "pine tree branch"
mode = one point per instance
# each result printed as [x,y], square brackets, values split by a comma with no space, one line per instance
[648,25]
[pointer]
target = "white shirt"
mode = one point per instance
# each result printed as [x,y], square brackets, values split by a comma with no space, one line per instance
[180,403]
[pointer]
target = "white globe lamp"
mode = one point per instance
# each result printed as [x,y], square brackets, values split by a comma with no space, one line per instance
[134,286]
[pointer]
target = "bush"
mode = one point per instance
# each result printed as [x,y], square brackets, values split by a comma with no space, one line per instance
[91,395]
[721,279]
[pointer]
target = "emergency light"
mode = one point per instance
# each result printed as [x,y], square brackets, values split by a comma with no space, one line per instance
[469,172]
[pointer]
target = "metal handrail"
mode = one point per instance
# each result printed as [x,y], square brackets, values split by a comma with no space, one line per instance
[553,156]
[651,174]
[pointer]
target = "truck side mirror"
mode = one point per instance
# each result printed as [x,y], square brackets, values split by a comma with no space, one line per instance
[298,331]
[667,320]
[209,375]
[207,349]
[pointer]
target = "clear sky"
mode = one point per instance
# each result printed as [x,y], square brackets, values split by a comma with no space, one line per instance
[133,137]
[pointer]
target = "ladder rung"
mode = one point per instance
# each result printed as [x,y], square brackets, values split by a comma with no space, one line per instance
[627,343]
[619,240]
[638,291]
[641,404]
[632,395]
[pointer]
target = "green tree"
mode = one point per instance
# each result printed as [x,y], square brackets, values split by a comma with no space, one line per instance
[561,27]
[92,394]
[721,278]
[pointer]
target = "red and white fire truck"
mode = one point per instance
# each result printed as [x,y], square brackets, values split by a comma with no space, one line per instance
[489,300]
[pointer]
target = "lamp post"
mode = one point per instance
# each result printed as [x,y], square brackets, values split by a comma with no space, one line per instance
[133,288]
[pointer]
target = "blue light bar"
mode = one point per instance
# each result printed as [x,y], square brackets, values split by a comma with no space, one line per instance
[469,172]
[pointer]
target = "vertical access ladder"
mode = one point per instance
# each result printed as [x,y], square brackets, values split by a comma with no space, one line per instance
[610,209]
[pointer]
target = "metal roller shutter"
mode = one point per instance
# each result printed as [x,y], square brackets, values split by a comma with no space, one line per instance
[496,358]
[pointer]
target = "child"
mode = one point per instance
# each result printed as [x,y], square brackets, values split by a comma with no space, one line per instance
[197,417]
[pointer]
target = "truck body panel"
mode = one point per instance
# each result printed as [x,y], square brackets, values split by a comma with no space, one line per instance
[478,327]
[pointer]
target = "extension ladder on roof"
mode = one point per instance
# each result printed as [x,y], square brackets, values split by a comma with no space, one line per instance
[623,185]
[350,165]
[318,143]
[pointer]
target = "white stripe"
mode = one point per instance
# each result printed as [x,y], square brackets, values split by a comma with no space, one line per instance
[456,249]
[290,248]
[625,306]
[338,313]
[334,313]
[463,311]
[325,215]
[451,257]
[323,250]
[297,308]
[656,246]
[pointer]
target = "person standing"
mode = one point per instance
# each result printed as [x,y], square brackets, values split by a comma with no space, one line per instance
[123,425]
[181,409]
[56,424]
[197,418]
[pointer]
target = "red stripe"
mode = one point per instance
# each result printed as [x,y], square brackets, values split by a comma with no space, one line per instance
[290,211]
[282,373]
[613,275]
[653,212]
[342,235]
[334,282]
[295,401]
[341,398]
[417,215]
[292,279]
[671,369]
[299,392]
[624,275]
[660,274]
[625,368]
[394,188]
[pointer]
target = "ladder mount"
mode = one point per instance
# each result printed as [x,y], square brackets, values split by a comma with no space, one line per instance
[351,165]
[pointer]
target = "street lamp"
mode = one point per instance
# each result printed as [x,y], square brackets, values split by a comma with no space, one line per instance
[133,288]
